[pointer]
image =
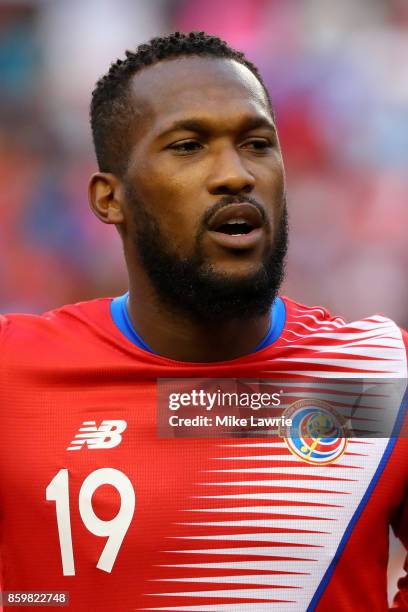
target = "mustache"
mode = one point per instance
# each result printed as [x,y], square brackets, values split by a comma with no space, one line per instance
[228,199]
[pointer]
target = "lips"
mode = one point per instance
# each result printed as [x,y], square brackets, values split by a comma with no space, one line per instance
[237,226]
[236,219]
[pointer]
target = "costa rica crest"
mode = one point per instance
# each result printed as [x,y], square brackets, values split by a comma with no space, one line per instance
[318,434]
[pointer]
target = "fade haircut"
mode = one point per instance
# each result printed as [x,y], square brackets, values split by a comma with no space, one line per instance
[112,110]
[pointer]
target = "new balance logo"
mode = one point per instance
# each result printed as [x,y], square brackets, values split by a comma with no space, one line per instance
[107,435]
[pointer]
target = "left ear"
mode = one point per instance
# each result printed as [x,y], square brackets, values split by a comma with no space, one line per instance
[105,197]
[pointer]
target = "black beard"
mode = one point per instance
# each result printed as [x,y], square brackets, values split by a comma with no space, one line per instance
[192,286]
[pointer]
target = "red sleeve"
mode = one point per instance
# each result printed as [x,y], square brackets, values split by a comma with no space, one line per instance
[401,598]
[404,430]
[400,527]
[2,327]
[3,324]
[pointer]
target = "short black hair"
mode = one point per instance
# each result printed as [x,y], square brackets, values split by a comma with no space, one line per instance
[111,109]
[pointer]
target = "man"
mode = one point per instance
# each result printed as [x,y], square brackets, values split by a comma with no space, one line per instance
[93,502]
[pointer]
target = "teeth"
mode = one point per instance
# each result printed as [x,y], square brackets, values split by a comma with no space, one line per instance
[235,221]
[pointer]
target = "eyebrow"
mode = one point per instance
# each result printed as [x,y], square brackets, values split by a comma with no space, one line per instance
[202,126]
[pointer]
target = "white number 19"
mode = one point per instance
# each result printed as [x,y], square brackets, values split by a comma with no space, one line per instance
[115,529]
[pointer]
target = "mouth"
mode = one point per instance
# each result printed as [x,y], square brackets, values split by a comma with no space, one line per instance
[237,226]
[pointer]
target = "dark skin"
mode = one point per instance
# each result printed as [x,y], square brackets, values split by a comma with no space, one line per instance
[203,130]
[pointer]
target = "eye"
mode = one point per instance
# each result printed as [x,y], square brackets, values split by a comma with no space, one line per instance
[185,147]
[259,145]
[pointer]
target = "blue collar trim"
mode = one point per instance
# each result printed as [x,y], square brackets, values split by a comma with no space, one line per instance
[278,320]
[122,320]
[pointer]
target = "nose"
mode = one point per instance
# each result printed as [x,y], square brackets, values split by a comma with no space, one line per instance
[229,175]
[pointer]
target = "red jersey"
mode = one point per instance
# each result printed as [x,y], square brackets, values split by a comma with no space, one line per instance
[94,503]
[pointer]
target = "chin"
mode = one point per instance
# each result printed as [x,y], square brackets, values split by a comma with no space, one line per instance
[238,270]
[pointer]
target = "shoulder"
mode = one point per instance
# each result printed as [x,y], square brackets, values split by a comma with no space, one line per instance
[313,316]
[319,320]
[72,320]
[375,343]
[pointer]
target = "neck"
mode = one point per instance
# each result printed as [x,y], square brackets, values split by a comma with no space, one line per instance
[174,334]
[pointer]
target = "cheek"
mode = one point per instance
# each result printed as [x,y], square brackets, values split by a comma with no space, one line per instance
[272,186]
[277,176]
[169,196]
[280,191]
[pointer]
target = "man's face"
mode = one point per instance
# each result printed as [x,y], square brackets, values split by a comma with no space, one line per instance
[205,208]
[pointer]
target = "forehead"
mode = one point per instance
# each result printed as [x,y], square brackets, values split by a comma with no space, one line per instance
[211,87]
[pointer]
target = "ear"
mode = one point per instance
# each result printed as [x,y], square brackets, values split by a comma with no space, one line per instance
[105,194]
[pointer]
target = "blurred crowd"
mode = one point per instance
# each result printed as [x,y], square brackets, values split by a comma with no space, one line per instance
[338,77]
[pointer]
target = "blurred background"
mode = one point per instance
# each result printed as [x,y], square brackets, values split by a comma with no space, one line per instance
[338,76]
